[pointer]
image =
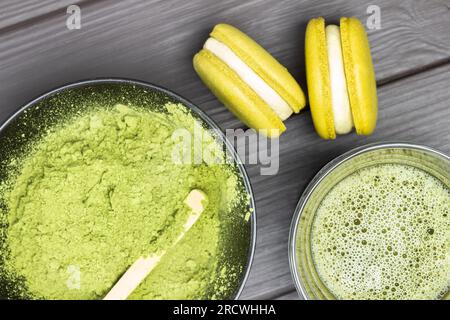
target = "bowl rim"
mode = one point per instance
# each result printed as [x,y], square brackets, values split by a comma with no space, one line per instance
[319,177]
[207,119]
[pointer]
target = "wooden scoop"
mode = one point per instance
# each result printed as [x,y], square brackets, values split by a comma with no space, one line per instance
[140,269]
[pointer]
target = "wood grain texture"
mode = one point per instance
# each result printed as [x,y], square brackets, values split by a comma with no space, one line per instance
[291,295]
[416,109]
[13,13]
[155,40]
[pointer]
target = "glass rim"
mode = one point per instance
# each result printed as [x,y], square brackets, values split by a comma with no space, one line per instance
[319,177]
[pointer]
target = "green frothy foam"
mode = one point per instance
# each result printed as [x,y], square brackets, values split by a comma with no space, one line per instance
[384,233]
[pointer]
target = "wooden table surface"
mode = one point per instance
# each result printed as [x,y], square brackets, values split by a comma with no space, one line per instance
[155,40]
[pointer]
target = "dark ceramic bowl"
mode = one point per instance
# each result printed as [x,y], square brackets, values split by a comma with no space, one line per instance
[32,121]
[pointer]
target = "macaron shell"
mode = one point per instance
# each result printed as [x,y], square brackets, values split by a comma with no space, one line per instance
[262,62]
[236,95]
[318,78]
[360,75]
[254,81]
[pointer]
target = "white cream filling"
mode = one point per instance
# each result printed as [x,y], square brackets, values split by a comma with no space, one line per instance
[251,78]
[342,114]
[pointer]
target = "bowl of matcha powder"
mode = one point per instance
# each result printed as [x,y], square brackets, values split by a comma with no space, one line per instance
[93,176]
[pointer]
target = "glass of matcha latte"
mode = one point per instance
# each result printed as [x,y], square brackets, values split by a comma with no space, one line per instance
[375,224]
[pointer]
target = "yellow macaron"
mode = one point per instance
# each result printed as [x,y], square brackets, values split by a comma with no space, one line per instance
[248,80]
[340,77]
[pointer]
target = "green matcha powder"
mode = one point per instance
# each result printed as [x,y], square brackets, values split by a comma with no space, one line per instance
[102,190]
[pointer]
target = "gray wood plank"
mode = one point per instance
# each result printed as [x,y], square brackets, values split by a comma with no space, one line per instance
[155,41]
[13,12]
[415,109]
[291,295]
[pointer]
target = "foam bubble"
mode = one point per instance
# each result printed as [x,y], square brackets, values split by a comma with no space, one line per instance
[384,233]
